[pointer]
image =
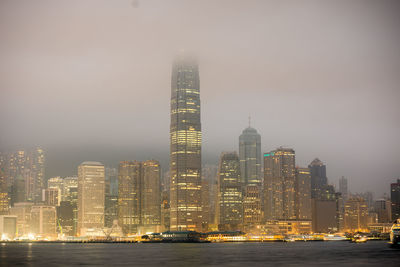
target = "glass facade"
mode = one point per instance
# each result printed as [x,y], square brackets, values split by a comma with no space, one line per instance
[185,146]
[250,156]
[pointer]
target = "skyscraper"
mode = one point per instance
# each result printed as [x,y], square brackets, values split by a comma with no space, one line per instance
[185,146]
[355,215]
[303,194]
[139,197]
[279,184]
[343,188]
[230,207]
[395,198]
[318,178]
[90,197]
[250,156]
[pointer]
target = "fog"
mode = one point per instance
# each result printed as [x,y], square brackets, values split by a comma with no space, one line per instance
[90,80]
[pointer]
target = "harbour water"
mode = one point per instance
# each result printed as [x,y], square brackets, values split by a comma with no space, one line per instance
[340,253]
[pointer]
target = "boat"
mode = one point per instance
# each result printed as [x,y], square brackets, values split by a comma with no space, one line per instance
[359,239]
[395,234]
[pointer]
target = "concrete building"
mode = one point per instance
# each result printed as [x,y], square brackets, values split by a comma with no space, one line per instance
[43,222]
[65,218]
[279,184]
[252,215]
[324,216]
[229,204]
[23,212]
[383,208]
[90,197]
[343,188]
[8,227]
[303,194]
[395,198]
[318,178]
[355,215]
[51,196]
[250,157]
[185,146]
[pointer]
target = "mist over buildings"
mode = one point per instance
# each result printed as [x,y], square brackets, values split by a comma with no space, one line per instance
[91,80]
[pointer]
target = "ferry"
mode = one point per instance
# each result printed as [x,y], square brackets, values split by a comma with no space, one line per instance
[395,234]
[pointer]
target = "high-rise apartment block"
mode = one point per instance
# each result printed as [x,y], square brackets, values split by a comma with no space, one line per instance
[185,146]
[303,194]
[355,215]
[90,197]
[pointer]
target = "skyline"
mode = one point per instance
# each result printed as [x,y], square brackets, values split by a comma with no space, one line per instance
[338,98]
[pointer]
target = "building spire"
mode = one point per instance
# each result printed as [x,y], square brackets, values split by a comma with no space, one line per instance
[249,121]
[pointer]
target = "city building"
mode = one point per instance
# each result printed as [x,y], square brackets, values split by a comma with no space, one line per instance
[139,196]
[185,146]
[250,157]
[279,184]
[8,227]
[43,222]
[65,218]
[318,177]
[4,202]
[23,212]
[383,208]
[229,204]
[252,215]
[111,197]
[287,227]
[343,188]
[395,199]
[52,196]
[303,194]
[355,215]
[324,215]
[90,197]
[57,182]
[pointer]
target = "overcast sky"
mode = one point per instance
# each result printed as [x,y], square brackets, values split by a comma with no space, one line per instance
[90,80]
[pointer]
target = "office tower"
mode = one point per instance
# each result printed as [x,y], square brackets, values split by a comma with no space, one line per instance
[279,184]
[37,168]
[57,182]
[8,227]
[318,177]
[250,156]
[383,209]
[343,188]
[90,197]
[185,146]
[4,203]
[150,194]
[111,196]
[18,190]
[23,212]
[303,194]
[229,205]
[51,196]
[129,173]
[165,211]
[205,203]
[395,198]
[43,221]
[251,207]
[70,194]
[210,175]
[355,215]
[65,218]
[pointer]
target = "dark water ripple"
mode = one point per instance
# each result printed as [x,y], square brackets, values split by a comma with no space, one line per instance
[373,253]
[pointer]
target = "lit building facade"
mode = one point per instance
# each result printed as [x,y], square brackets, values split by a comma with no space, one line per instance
[383,209]
[303,194]
[355,215]
[23,212]
[229,204]
[318,178]
[395,198]
[279,184]
[250,157]
[52,196]
[252,215]
[90,196]
[43,221]
[185,146]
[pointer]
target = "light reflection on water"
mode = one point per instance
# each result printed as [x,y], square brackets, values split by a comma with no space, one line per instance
[222,254]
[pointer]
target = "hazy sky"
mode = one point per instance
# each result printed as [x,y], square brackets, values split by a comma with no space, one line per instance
[90,80]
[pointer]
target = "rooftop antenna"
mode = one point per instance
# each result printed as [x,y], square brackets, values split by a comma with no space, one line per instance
[249,121]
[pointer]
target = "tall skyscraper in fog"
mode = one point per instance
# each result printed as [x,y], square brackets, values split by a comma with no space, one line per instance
[395,198]
[90,197]
[185,146]
[318,178]
[230,199]
[250,156]
[279,184]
